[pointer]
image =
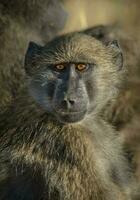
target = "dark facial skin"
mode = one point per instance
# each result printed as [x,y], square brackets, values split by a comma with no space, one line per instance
[70,100]
[67,79]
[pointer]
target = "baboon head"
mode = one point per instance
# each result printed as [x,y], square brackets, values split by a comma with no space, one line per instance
[74,75]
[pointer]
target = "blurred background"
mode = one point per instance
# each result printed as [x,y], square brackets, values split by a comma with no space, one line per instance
[85,13]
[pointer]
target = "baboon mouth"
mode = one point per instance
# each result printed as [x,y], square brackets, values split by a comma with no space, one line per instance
[70,117]
[69,112]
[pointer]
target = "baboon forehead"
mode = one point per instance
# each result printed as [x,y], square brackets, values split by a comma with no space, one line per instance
[75,41]
[74,47]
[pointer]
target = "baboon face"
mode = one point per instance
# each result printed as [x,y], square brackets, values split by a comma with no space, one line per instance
[66,77]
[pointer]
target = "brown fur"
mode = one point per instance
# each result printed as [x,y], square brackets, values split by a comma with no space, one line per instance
[72,160]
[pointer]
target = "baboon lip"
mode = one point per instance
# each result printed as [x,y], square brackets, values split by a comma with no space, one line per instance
[70,112]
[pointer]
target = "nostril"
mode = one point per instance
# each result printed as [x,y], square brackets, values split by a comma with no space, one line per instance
[72,102]
[64,103]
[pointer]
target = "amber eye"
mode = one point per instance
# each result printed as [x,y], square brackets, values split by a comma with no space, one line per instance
[59,67]
[81,67]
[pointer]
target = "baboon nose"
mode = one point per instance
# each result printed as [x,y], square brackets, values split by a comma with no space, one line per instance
[66,104]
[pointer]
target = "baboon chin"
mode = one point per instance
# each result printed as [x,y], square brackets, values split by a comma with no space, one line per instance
[54,143]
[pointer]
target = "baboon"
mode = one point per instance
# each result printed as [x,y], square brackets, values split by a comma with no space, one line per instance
[21,21]
[54,145]
[124,113]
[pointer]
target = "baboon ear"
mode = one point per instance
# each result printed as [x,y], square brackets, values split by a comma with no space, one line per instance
[32,53]
[117,53]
